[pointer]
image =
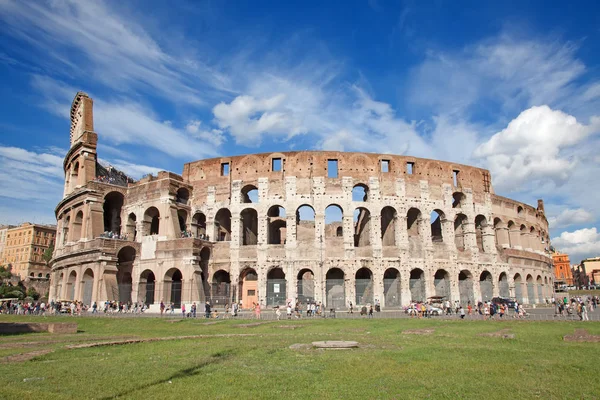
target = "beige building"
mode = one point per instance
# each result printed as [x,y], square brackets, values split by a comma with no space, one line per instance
[24,248]
[3,232]
[324,226]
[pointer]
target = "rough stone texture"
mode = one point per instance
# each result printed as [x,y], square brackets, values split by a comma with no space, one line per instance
[335,344]
[30,327]
[258,230]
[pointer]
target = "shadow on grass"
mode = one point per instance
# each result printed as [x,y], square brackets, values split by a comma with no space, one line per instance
[215,358]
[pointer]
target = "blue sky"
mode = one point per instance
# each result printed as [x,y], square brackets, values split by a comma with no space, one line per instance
[509,86]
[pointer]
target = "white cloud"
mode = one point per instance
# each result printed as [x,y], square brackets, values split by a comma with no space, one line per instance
[534,147]
[568,217]
[213,136]
[135,171]
[579,244]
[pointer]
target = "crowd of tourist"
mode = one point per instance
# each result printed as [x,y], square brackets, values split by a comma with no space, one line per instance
[113,235]
[581,306]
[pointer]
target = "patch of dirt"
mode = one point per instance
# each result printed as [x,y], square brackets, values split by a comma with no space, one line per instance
[24,356]
[289,326]
[301,346]
[418,331]
[66,340]
[250,325]
[502,333]
[148,340]
[581,335]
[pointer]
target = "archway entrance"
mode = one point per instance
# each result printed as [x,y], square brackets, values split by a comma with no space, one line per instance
[363,286]
[441,282]
[126,257]
[503,285]
[173,287]
[391,288]
[417,285]
[530,290]
[306,286]
[540,290]
[518,288]
[147,287]
[221,285]
[71,285]
[334,288]
[465,287]
[486,286]
[248,288]
[276,287]
[88,287]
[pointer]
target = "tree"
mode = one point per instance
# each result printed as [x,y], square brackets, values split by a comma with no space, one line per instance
[47,256]
[31,292]
[8,291]
[5,272]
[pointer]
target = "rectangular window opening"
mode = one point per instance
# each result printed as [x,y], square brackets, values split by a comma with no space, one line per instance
[332,168]
[385,165]
[276,164]
[225,169]
[410,168]
[455,177]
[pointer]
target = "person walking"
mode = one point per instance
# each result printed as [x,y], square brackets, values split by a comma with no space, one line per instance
[584,312]
[162,307]
[207,310]
[351,308]
[183,310]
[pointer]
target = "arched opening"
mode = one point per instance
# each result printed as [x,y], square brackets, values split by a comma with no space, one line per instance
[540,290]
[39,275]
[441,282]
[458,199]
[277,225]
[362,227]
[248,285]
[437,235]
[182,219]
[334,221]
[125,258]
[305,224]
[223,225]
[524,236]
[113,203]
[486,285]
[276,287]
[416,284]
[503,289]
[199,226]
[480,225]
[249,194]
[501,232]
[77,223]
[530,290]
[88,287]
[131,229]
[173,287]
[221,286]
[65,231]
[74,181]
[306,286]
[388,226]
[202,283]
[32,275]
[413,220]
[249,219]
[520,211]
[360,192]
[71,283]
[151,221]
[465,287]
[182,196]
[334,288]
[147,287]
[364,286]
[460,224]
[391,288]
[514,235]
[518,288]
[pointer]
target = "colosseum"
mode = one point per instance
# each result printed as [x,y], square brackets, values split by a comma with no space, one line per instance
[322,226]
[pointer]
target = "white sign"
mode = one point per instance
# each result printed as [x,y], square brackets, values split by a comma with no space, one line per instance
[276,288]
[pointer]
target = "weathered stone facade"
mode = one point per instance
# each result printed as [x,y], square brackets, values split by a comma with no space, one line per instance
[323,226]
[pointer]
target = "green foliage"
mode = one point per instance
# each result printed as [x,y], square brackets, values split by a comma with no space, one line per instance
[5,272]
[31,292]
[47,256]
[8,291]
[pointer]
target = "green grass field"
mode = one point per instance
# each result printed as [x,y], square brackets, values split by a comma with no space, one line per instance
[232,361]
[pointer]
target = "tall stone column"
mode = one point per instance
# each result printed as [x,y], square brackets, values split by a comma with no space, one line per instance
[405,295]
[402,232]
[375,237]
[489,240]
[263,225]
[236,232]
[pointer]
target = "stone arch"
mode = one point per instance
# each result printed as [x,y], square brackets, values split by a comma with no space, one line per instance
[530,289]
[465,287]
[221,287]
[306,286]
[524,236]
[363,285]
[222,225]
[360,192]
[75,176]
[173,287]
[417,285]
[113,204]
[437,235]
[413,222]
[392,290]
[131,227]
[503,287]
[305,223]
[151,221]
[540,289]
[389,217]
[249,226]
[182,216]
[182,196]
[520,211]
[513,234]
[276,287]
[277,225]
[77,226]
[147,287]
[71,284]
[501,233]
[248,284]
[441,283]
[458,200]
[87,290]
[334,221]
[480,226]
[125,258]
[199,225]
[518,288]
[249,194]
[486,286]
[335,289]
[362,227]
[460,222]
